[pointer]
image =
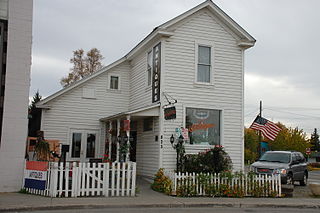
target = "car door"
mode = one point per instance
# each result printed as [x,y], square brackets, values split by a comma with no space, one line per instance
[295,166]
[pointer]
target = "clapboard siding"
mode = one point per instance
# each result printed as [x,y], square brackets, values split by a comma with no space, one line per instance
[140,94]
[226,93]
[72,111]
[147,149]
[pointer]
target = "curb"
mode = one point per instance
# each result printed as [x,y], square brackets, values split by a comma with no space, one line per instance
[171,205]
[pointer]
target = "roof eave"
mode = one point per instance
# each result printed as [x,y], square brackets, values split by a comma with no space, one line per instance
[154,35]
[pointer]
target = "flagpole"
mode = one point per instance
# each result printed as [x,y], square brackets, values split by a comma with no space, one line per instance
[260,137]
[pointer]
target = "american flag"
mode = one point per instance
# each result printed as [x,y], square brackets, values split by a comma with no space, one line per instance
[268,129]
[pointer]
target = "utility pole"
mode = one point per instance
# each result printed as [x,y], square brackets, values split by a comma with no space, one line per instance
[260,137]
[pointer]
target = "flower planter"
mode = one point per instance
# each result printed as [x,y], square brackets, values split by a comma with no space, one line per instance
[315,188]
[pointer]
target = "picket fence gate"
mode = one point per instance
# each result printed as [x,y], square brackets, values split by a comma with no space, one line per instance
[265,185]
[89,179]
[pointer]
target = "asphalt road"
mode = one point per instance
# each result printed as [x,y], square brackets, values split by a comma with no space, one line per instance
[314,176]
[186,210]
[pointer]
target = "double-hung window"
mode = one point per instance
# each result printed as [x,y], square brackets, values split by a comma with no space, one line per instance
[204,66]
[149,68]
[114,82]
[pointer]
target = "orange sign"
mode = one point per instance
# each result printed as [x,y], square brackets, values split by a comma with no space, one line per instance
[198,126]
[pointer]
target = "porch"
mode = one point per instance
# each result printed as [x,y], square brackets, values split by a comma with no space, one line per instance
[134,136]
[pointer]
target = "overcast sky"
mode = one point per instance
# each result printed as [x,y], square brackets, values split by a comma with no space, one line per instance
[282,69]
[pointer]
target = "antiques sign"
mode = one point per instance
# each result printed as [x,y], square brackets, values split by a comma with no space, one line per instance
[35,175]
[156,73]
[170,113]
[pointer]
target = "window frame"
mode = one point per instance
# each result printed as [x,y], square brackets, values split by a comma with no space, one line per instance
[143,124]
[201,146]
[109,82]
[147,69]
[209,44]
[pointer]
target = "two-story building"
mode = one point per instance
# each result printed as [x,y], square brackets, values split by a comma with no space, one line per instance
[194,61]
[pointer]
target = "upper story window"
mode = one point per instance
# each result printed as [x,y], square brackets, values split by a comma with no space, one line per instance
[149,68]
[114,82]
[204,64]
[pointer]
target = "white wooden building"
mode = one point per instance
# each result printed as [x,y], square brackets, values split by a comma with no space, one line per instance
[196,58]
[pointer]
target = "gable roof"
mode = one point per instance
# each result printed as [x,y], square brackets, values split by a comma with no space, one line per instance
[246,41]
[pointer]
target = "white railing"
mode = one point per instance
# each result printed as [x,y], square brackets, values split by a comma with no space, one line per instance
[89,179]
[192,184]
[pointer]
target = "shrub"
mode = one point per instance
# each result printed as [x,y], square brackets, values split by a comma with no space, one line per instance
[161,183]
[213,160]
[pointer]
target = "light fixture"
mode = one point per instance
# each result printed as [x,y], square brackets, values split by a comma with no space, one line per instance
[171,139]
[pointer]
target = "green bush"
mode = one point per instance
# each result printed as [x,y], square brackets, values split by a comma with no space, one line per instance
[213,160]
[161,183]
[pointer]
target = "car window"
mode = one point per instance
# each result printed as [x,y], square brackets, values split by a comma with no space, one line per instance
[276,157]
[302,159]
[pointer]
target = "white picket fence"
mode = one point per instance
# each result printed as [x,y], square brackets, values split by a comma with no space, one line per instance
[89,179]
[250,185]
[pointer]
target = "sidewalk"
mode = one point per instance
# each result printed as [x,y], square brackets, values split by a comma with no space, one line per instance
[146,198]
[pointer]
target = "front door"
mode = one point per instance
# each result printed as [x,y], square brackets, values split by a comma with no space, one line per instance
[83,145]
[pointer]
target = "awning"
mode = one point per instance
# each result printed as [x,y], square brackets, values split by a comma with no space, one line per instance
[152,110]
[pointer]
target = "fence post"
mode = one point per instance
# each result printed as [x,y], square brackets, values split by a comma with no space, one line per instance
[133,190]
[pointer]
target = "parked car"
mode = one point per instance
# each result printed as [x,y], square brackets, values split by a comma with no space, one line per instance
[290,165]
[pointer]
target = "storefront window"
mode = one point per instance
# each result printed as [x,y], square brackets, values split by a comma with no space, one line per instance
[204,126]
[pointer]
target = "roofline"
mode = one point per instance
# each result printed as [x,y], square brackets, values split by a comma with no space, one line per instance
[161,31]
[219,12]
[41,104]
[130,112]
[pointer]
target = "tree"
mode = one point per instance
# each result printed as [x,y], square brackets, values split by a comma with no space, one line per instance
[83,65]
[290,139]
[251,141]
[314,141]
[34,117]
[287,139]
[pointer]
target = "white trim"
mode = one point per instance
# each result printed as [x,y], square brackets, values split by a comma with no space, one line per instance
[184,108]
[84,133]
[41,103]
[242,114]
[217,12]
[148,87]
[210,44]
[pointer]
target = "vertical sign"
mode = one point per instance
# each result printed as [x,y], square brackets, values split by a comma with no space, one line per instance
[156,73]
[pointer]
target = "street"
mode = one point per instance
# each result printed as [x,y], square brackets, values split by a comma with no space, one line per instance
[314,177]
[185,210]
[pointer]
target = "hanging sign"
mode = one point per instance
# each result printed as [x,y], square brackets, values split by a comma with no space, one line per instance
[35,175]
[156,73]
[126,125]
[170,113]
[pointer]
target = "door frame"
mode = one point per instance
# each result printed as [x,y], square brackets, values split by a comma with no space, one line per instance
[84,133]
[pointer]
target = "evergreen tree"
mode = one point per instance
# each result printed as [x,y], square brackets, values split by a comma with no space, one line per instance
[314,141]
[34,122]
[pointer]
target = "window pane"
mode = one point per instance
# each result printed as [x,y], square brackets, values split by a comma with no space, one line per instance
[149,60]
[91,140]
[114,81]
[148,124]
[149,76]
[204,55]
[203,73]
[203,126]
[76,145]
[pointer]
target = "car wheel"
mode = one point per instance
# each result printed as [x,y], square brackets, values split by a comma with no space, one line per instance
[290,179]
[304,181]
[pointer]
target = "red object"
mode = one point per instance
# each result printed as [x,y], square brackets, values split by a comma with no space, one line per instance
[268,129]
[126,125]
[308,151]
